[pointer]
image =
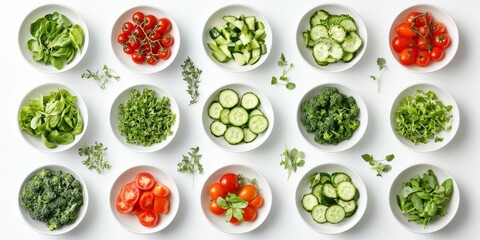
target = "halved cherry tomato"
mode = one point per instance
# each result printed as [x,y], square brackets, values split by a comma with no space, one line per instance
[164,53]
[127,28]
[249,214]
[144,181]
[160,190]
[229,183]
[122,207]
[138,56]
[256,202]
[248,192]
[161,205]
[164,25]
[437,28]
[167,40]
[436,54]
[216,191]
[400,43]
[150,22]
[404,30]
[148,218]
[138,18]
[130,194]
[215,209]
[442,40]
[146,201]
[408,56]
[423,58]
[233,220]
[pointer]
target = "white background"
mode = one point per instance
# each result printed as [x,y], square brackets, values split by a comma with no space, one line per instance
[460,157]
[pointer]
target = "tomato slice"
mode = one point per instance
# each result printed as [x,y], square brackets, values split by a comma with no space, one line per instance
[148,218]
[146,201]
[160,190]
[256,202]
[122,207]
[130,194]
[161,205]
[144,181]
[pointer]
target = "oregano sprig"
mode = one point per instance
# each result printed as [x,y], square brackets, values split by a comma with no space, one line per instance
[292,159]
[191,75]
[190,163]
[101,78]
[96,157]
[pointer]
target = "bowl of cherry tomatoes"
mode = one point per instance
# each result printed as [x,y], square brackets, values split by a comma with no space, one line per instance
[423,38]
[236,199]
[145,39]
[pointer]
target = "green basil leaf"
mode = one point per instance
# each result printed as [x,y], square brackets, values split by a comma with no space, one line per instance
[228,215]
[65,138]
[47,143]
[57,63]
[222,203]
[238,214]
[79,126]
[76,35]
[448,186]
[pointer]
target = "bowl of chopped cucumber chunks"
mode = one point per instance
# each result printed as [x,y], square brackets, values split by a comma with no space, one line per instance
[237,38]
[238,117]
[331,198]
[331,37]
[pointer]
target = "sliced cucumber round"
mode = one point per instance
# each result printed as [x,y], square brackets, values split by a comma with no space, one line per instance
[233,135]
[335,214]
[238,116]
[217,128]
[228,98]
[258,124]
[248,136]
[214,110]
[249,101]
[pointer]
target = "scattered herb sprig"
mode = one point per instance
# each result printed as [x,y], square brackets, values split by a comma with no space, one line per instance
[191,75]
[377,164]
[292,159]
[190,163]
[234,206]
[381,62]
[96,157]
[244,180]
[103,78]
[283,63]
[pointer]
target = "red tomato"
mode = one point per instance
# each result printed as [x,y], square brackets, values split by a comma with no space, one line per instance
[248,192]
[151,59]
[215,209]
[155,35]
[437,28]
[256,202]
[400,43]
[154,46]
[138,57]
[164,25]
[160,190]
[408,56]
[161,205]
[138,32]
[164,53]
[424,31]
[428,19]
[167,40]
[122,207]
[122,38]
[233,220]
[442,40]
[423,58]
[424,43]
[133,44]
[249,214]
[150,22]
[144,181]
[127,28]
[436,54]
[415,19]
[138,18]
[148,219]
[216,191]
[146,201]
[404,30]
[229,183]
[130,194]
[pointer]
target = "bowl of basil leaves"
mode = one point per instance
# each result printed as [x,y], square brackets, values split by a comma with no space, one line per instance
[53,38]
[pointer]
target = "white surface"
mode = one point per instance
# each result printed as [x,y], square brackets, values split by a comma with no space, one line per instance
[460,157]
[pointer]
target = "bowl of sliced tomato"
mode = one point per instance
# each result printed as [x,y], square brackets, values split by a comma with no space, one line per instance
[144,199]
[423,38]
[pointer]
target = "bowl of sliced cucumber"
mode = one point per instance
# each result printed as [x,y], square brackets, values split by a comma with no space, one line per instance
[331,198]
[237,38]
[238,117]
[331,37]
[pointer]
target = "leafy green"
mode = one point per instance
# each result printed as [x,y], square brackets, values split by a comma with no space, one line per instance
[382,63]
[331,116]
[53,118]
[234,206]
[145,119]
[101,79]
[53,197]
[191,163]
[55,40]
[377,164]
[292,159]
[191,75]
[422,116]
[96,157]
[423,199]
[283,63]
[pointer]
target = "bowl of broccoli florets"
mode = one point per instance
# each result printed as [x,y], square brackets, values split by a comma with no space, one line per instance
[332,117]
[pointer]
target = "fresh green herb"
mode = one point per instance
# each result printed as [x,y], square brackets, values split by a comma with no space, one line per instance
[55,40]
[145,119]
[53,197]
[191,75]
[331,116]
[283,63]
[234,206]
[423,199]
[96,157]
[54,118]
[244,180]
[292,159]
[422,116]
[319,177]
[191,163]
[381,62]
[101,79]
[377,164]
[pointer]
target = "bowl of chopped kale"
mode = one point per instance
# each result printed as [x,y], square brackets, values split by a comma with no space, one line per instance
[332,117]
[53,199]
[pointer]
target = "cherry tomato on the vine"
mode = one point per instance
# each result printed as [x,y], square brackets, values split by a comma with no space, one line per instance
[423,58]
[415,19]
[138,56]
[138,33]
[404,30]
[442,40]
[167,40]
[436,54]
[164,53]
[150,22]
[151,59]
[122,38]
[164,25]
[437,28]
[127,28]
[424,43]
[400,43]
[138,18]
[408,56]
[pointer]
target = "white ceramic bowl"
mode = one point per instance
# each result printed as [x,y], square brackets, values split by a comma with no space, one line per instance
[24,35]
[122,99]
[438,14]
[126,59]
[130,222]
[337,9]
[216,19]
[347,223]
[44,90]
[265,106]
[41,227]
[436,223]
[446,99]
[218,221]
[357,135]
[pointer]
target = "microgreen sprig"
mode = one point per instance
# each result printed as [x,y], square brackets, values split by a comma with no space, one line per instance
[96,157]
[190,163]
[292,159]
[381,62]
[377,164]
[283,63]
[103,78]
